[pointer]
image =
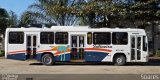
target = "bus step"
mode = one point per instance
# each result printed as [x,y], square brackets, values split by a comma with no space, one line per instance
[77,60]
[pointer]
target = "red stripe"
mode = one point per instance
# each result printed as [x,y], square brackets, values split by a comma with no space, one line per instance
[68,50]
[13,52]
[45,50]
[99,49]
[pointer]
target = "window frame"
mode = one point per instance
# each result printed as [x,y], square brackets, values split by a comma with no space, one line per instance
[63,38]
[120,44]
[145,45]
[93,38]
[47,32]
[16,32]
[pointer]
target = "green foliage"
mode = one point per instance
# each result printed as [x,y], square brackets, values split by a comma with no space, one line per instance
[63,13]
[7,19]
[158,53]
[13,21]
[49,11]
[2,53]
[4,20]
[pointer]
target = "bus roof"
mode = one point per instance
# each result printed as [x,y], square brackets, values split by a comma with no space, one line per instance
[77,28]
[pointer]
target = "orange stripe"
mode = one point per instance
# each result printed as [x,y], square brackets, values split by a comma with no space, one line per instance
[100,49]
[16,51]
[45,50]
[53,50]
[68,50]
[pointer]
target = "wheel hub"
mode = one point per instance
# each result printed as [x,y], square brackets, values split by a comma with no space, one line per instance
[47,60]
[119,60]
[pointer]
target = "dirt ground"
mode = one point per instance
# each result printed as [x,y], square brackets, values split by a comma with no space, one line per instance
[8,66]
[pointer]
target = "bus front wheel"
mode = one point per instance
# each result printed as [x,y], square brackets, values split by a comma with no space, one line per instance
[47,59]
[119,60]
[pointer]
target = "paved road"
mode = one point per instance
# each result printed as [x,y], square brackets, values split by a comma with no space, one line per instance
[33,67]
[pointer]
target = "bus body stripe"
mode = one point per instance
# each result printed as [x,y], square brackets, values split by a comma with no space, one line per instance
[98,49]
[68,50]
[15,52]
[45,50]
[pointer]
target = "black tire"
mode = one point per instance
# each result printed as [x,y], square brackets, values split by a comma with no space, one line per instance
[47,59]
[119,60]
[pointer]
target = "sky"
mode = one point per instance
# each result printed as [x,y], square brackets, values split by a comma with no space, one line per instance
[18,6]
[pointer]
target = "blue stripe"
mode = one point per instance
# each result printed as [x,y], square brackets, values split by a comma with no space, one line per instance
[88,56]
[67,57]
[57,58]
[19,56]
[95,56]
[38,56]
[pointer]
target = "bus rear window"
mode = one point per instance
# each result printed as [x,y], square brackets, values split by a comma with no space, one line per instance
[16,37]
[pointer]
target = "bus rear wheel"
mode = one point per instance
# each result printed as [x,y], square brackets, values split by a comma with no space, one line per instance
[47,59]
[119,60]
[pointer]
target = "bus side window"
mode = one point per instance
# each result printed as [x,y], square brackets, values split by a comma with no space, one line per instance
[89,38]
[102,38]
[144,43]
[120,38]
[61,37]
[47,37]
[16,37]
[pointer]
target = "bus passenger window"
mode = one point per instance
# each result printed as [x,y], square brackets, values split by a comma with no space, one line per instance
[120,38]
[74,41]
[101,38]
[47,37]
[138,42]
[144,43]
[81,41]
[61,37]
[16,37]
[89,38]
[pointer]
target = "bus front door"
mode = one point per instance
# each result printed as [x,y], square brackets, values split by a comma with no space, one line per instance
[77,48]
[31,46]
[136,48]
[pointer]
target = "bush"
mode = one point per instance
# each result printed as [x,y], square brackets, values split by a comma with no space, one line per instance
[158,53]
[2,53]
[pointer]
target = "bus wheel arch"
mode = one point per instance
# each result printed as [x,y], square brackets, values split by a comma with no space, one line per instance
[47,59]
[119,59]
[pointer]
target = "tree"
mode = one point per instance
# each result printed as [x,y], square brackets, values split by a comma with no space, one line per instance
[4,20]
[52,11]
[27,18]
[13,21]
[147,11]
[100,13]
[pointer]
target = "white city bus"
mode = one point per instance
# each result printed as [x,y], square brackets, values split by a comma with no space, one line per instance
[76,44]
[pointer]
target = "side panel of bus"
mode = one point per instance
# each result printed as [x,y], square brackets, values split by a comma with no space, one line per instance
[83,51]
[22,45]
[15,48]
